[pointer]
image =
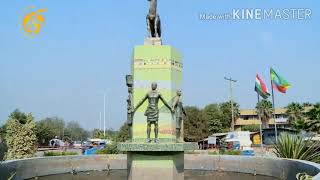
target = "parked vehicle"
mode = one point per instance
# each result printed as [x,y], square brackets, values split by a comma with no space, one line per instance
[56,143]
[77,144]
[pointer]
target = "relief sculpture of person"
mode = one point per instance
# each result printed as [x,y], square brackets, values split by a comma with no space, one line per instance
[130,107]
[152,111]
[179,112]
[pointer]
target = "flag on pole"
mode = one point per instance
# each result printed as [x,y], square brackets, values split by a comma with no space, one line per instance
[278,82]
[261,88]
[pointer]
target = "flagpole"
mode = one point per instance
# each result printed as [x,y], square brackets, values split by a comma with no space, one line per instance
[274,113]
[261,143]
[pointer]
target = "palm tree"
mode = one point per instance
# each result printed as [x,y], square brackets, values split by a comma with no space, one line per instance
[294,112]
[264,110]
[299,124]
[307,104]
[313,122]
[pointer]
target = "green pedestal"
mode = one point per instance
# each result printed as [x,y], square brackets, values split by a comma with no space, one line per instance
[155,161]
[161,64]
[164,160]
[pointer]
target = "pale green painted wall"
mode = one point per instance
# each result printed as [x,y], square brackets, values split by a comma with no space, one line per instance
[154,64]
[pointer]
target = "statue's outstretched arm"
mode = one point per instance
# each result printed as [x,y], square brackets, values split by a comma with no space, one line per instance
[165,103]
[141,102]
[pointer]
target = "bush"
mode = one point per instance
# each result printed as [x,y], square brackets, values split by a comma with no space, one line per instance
[296,147]
[64,153]
[3,150]
[21,136]
[109,149]
[230,152]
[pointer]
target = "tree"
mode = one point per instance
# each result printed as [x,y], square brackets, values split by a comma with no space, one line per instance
[307,104]
[214,117]
[75,132]
[264,110]
[48,128]
[251,128]
[20,136]
[123,134]
[227,114]
[300,124]
[295,112]
[18,115]
[195,125]
[313,116]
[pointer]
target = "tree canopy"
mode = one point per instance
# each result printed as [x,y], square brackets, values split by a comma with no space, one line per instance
[264,110]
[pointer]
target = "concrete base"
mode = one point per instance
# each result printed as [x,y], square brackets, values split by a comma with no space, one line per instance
[153,41]
[155,165]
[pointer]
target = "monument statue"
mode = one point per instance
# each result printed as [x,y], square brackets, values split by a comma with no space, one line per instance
[179,111]
[152,111]
[153,20]
[130,108]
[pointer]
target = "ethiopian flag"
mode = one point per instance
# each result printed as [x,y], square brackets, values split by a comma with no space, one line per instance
[278,82]
[261,88]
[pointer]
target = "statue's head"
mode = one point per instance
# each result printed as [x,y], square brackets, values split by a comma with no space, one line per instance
[179,93]
[154,86]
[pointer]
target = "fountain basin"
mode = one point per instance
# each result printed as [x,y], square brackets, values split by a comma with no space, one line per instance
[264,166]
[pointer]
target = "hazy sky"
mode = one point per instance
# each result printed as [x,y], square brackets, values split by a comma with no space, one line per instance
[85,48]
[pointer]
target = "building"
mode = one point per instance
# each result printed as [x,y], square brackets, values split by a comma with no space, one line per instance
[250,117]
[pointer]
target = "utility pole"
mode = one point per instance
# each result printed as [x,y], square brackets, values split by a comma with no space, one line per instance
[231,81]
[104,115]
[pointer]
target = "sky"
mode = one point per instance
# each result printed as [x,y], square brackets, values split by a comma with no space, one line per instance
[84,50]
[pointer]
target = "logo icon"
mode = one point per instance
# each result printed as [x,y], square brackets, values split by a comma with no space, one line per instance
[33,21]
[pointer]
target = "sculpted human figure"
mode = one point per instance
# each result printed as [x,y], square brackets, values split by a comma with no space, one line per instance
[179,111]
[130,107]
[153,20]
[130,112]
[152,111]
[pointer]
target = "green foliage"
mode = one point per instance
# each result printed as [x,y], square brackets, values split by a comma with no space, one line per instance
[214,118]
[294,112]
[225,152]
[264,110]
[3,150]
[63,153]
[123,134]
[195,125]
[213,115]
[75,132]
[313,119]
[50,127]
[109,149]
[18,115]
[230,152]
[251,128]
[296,147]
[110,134]
[299,124]
[227,114]
[20,137]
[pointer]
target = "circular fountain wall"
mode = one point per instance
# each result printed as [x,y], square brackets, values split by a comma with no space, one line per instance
[197,165]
